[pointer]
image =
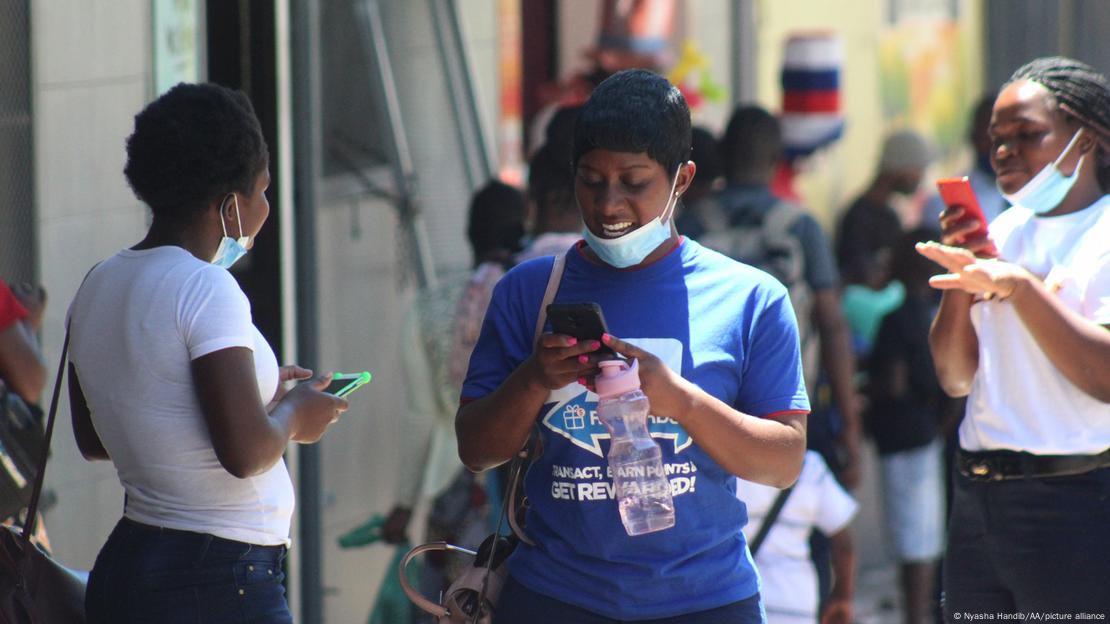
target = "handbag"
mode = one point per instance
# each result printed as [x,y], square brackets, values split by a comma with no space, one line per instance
[21,443]
[472,598]
[34,588]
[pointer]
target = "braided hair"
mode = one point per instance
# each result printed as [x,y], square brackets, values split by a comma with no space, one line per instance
[1080,92]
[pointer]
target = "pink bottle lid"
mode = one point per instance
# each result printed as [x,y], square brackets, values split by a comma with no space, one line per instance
[617,377]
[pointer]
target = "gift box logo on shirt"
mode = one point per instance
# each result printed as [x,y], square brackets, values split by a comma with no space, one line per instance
[572,410]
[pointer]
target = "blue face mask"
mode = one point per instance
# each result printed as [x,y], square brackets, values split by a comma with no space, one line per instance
[1044,192]
[231,249]
[631,249]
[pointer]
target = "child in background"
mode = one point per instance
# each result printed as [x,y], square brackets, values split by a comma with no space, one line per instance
[907,412]
[788,578]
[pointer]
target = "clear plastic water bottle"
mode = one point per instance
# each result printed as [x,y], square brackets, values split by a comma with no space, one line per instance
[642,488]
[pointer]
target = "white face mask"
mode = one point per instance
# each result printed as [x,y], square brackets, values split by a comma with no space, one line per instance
[231,249]
[1044,191]
[631,248]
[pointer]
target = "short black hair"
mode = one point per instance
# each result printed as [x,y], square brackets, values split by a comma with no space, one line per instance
[752,141]
[635,111]
[193,144]
[496,220]
[1082,93]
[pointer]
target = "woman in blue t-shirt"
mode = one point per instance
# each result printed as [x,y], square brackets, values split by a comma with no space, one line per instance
[718,353]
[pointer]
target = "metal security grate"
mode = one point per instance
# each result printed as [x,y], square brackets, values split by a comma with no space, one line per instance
[17,248]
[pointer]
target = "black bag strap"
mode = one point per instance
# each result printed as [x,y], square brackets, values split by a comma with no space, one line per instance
[524,456]
[33,506]
[769,520]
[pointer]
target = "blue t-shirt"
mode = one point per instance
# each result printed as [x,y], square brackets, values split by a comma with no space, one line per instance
[726,327]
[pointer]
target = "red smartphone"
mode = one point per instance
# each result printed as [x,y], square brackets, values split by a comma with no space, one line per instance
[957,192]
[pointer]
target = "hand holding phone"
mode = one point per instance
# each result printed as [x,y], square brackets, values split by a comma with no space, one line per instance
[583,321]
[344,384]
[957,193]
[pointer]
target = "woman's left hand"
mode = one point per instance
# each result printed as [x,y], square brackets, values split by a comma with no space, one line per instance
[978,276]
[667,391]
[287,373]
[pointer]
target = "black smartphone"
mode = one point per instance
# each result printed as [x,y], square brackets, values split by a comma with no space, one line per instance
[584,321]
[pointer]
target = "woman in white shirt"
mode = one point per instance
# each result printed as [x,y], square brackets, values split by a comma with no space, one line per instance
[171,381]
[1023,336]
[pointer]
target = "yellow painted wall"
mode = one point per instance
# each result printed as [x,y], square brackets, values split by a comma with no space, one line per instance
[871,46]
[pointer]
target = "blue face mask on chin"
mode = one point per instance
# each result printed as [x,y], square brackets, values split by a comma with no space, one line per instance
[632,248]
[1044,192]
[231,249]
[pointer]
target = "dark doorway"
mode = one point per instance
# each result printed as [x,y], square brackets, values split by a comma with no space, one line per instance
[241,55]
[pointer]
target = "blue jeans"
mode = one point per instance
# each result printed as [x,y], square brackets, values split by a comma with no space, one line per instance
[520,605]
[150,574]
[1029,545]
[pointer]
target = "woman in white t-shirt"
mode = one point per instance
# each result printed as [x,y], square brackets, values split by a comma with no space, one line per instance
[1023,336]
[171,381]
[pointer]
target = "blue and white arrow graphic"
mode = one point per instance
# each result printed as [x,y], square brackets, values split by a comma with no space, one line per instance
[576,419]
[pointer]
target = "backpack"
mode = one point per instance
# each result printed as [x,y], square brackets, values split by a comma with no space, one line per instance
[767,243]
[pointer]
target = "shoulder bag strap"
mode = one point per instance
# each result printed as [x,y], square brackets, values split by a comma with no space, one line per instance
[516,470]
[769,521]
[549,294]
[33,506]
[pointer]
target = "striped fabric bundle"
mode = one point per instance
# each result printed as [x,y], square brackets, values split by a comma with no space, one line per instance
[811,117]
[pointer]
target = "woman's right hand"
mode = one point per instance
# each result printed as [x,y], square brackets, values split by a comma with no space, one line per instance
[313,409]
[559,360]
[958,231]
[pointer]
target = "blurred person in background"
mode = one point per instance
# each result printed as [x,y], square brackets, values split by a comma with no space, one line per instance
[981,175]
[870,227]
[557,224]
[1024,336]
[788,578]
[440,329]
[747,222]
[909,415]
[22,368]
[868,232]
[171,381]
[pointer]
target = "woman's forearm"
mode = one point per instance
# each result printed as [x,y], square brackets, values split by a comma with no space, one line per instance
[1078,348]
[762,450]
[492,429]
[954,345]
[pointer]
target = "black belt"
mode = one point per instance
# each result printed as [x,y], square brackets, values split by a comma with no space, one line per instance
[1003,465]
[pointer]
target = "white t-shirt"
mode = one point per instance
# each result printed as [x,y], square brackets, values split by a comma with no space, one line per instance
[788,580]
[1019,400]
[137,323]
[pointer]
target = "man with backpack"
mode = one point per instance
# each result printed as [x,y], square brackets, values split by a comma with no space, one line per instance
[749,223]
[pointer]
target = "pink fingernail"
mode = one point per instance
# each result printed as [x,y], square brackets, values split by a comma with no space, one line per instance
[573,341]
[595,345]
[583,359]
[606,337]
[581,381]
